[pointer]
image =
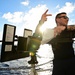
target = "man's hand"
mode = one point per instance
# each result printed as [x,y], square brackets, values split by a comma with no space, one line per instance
[43,19]
[71,27]
[44,16]
[58,30]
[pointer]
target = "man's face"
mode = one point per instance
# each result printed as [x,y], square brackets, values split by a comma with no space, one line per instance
[62,20]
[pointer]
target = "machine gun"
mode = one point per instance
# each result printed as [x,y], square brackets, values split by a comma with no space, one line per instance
[33,46]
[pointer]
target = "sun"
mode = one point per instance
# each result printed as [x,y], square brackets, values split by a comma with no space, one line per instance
[42,29]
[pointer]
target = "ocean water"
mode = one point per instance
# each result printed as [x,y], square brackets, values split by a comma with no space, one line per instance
[21,66]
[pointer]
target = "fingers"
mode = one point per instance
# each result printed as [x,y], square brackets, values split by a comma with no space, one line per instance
[48,14]
[44,16]
[45,13]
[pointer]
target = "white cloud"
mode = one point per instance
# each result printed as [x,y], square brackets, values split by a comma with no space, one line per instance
[25,3]
[30,19]
[16,17]
[68,8]
[25,20]
[57,6]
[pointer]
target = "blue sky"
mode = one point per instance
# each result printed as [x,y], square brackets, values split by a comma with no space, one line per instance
[27,13]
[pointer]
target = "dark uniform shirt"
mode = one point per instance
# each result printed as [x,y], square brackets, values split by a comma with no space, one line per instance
[62,45]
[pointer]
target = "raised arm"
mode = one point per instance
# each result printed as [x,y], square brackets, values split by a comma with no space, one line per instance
[43,19]
[35,40]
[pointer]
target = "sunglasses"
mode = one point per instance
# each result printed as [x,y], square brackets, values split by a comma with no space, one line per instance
[65,17]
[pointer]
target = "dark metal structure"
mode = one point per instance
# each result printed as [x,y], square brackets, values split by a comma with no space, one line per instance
[9,51]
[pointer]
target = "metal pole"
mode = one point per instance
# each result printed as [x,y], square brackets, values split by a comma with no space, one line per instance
[33,70]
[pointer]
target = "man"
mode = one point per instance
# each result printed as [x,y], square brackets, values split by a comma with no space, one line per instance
[61,40]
